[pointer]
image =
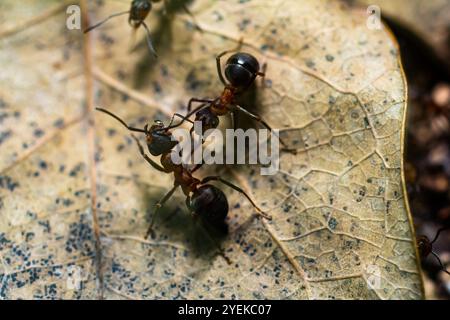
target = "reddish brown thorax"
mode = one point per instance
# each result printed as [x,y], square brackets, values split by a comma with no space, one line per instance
[182,176]
[226,98]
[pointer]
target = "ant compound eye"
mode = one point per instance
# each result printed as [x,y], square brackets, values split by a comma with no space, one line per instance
[241,69]
[210,203]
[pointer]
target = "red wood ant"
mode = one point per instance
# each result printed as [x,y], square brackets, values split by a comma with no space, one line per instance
[202,199]
[138,12]
[425,247]
[241,70]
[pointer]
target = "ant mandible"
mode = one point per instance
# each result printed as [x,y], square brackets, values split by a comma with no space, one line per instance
[425,247]
[241,70]
[139,10]
[202,199]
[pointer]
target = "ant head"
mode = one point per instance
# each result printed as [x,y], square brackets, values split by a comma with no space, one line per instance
[241,69]
[210,203]
[424,245]
[139,11]
[159,140]
[144,5]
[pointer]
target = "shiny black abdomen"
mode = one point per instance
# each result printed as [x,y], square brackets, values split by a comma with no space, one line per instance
[210,203]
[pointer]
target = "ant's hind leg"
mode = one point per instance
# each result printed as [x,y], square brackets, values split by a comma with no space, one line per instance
[158,206]
[231,185]
[213,240]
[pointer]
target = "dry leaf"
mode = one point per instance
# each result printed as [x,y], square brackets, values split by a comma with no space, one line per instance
[427,19]
[75,196]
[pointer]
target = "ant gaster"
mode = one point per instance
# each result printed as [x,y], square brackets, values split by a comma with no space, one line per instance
[202,199]
[241,70]
[425,247]
[138,12]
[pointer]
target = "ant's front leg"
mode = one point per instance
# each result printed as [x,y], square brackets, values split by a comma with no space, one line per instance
[265,124]
[205,103]
[231,185]
[158,206]
[149,40]
[181,117]
[147,158]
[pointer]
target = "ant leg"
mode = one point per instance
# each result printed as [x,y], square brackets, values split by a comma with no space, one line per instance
[147,158]
[166,7]
[440,262]
[221,251]
[158,206]
[219,57]
[103,21]
[205,104]
[262,74]
[179,116]
[198,166]
[265,124]
[217,178]
[149,40]
[194,21]
[233,118]
[192,100]
[437,234]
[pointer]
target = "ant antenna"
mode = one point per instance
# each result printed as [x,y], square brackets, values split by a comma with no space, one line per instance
[149,40]
[103,21]
[121,121]
[430,244]
[437,234]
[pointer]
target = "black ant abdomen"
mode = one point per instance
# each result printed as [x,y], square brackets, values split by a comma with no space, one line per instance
[241,69]
[210,204]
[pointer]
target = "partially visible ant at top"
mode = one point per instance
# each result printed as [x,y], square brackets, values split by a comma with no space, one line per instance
[425,247]
[241,70]
[137,14]
[203,200]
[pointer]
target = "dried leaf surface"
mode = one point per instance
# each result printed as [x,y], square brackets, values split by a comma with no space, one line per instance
[428,19]
[75,196]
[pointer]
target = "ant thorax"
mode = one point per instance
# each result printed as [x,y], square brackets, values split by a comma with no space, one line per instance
[226,98]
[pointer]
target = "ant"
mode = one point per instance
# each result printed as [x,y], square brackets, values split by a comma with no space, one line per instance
[137,14]
[241,70]
[425,247]
[202,199]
